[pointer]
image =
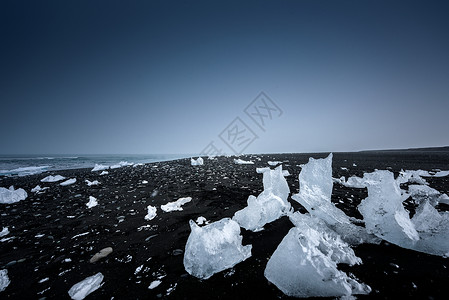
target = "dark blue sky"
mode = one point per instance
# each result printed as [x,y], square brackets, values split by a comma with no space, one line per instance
[169,76]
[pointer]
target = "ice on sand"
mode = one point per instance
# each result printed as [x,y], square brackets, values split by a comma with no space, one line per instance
[305,265]
[8,196]
[151,213]
[92,202]
[172,206]
[83,288]
[68,182]
[383,212]
[4,280]
[99,167]
[270,205]
[243,162]
[213,248]
[197,162]
[51,178]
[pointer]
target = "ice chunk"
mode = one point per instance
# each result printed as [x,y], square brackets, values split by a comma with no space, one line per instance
[4,280]
[443,199]
[121,164]
[383,212]
[315,190]
[270,205]
[68,182]
[99,167]
[154,284]
[213,248]
[51,178]
[90,183]
[4,232]
[151,214]
[92,202]
[352,182]
[420,193]
[104,173]
[176,205]
[243,162]
[38,189]
[274,163]
[441,174]
[11,195]
[83,288]
[197,162]
[305,265]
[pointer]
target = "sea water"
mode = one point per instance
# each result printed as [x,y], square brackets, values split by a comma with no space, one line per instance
[22,165]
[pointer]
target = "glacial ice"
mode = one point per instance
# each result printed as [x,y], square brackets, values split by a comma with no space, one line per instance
[151,213]
[121,164]
[38,189]
[83,288]
[68,182]
[104,173]
[383,212]
[243,162]
[352,182]
[197,162]
[4,232]
[176,205]
[92,202]
[420,193]
[51,178]
[274,163]
[305,265]
[8,196]
[90,183]
[213,248]
[270,205]
[4,280]
[99,167]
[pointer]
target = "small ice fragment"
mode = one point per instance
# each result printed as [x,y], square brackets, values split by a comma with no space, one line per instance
[90,183]
[83,288]
[200,220]
[197,162]
[43,280]
[4,232]
[213,248]
[104,173]
[8,196]
[176,205]
[4,280]
[154,284]
[99,167]
[274,163]
[121,164]
[151,213]
[92,202]
[68,182]
[441,174]
[101,254]
[243,162]
[38,188]
[51,178]
[144,182]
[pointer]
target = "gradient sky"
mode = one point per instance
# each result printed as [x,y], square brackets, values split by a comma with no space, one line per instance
[169,76]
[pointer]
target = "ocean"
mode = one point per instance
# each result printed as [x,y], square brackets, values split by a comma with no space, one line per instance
[22,165]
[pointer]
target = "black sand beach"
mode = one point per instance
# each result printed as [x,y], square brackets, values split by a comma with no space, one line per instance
[55,234]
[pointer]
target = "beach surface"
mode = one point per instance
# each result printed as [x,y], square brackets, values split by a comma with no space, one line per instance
[53,234]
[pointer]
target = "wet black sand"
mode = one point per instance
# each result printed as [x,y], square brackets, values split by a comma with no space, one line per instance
[218,189]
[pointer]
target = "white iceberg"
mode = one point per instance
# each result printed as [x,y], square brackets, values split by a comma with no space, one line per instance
[83,288]
[269,206]
[213,248]
[243,162]
[151,213]
[51,178]
[68,182]
[4,280]
[305,265]
[197,162]
[176,205]
[90,183]
[99,167]
[441,174]
[8,196]
[92,202]
[352,182]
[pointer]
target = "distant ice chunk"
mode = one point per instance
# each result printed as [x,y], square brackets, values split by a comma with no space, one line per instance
[305,265]
[243,162]
[90,183]
[92,202]
[4,232]
[38,189]
[441,174]
[68,182]
[104,173]
[154,284]
[201,220]
[213,248]
[83,288]
[270,205]
[151,213]
[412,176]
[8,196]
[4,280]
[383,212]
[176,205]
[274,163]
[99,167]
[197,162]
[352,182]
[121,164]
[421,193]
[51,178]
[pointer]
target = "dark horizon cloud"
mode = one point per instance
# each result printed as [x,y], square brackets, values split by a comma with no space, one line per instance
[169,76]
